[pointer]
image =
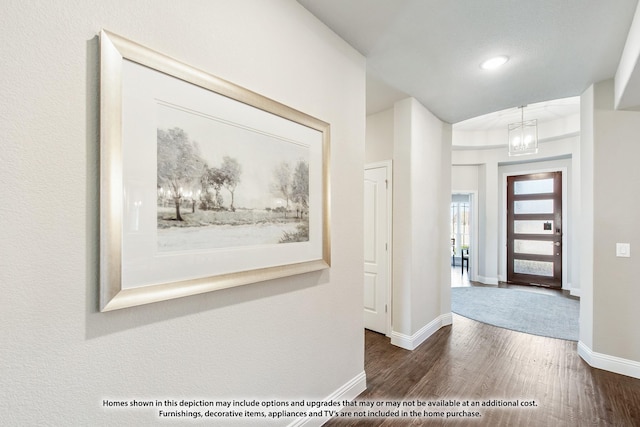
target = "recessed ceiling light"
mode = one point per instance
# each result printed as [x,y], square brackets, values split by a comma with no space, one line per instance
[493,63]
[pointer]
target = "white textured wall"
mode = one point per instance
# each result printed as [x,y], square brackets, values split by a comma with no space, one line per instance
[379,137]
[615,220]
[431,195]
[422,192]
[585,219]
[464,178]
[291,338]
[627,79]
[402,219]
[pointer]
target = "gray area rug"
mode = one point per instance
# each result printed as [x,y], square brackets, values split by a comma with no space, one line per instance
[530,312]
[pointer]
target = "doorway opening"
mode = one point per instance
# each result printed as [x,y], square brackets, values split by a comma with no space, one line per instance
[463,237]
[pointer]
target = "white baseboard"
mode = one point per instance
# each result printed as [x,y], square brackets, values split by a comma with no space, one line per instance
[446,319]
[488,280]
[576,292]
[614,364]
[349,391]
[410,342]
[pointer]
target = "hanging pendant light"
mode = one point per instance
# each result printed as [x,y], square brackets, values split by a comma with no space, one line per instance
[523,136]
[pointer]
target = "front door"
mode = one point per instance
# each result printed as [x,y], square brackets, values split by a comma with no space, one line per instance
[376,247]
[534,229]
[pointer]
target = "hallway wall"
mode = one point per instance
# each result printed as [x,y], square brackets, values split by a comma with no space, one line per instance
[420,149]
[609,317]
[60,357]
[379,137]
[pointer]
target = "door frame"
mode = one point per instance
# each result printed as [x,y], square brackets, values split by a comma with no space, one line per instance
[388,164]
[503,215]
[474,229]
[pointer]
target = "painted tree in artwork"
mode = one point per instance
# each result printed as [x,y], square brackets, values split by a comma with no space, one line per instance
[300,185]
[231,171]
[212,179]
[179,163]
[281,184]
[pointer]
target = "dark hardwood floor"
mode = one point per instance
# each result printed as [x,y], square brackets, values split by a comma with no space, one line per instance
[475,362]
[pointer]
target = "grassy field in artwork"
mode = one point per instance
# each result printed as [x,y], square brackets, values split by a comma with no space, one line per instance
[225,229]
[202,218]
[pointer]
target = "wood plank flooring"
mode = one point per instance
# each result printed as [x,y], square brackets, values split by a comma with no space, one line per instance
[475,362]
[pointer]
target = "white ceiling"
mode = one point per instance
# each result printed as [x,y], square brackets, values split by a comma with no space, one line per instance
[432,49]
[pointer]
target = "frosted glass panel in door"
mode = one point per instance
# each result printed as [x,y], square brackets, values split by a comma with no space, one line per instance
[534,186]
[534,247]
[533,227]
[539,268]
[533,206]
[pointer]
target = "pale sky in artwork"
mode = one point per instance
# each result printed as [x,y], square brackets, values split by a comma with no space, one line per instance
[258,154]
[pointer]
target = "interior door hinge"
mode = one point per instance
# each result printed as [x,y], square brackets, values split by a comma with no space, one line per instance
[385,308]
[386,246]
[386,184]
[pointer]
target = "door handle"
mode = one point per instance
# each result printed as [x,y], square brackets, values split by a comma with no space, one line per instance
[557,243]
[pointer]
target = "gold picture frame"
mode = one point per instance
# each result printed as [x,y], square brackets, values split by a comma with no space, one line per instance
[175,224]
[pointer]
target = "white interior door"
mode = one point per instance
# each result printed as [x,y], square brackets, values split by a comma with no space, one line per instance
[376,247]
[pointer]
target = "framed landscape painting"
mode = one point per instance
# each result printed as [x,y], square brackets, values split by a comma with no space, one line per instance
[204,185]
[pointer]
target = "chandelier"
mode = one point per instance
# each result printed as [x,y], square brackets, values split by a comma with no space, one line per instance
[523,136]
